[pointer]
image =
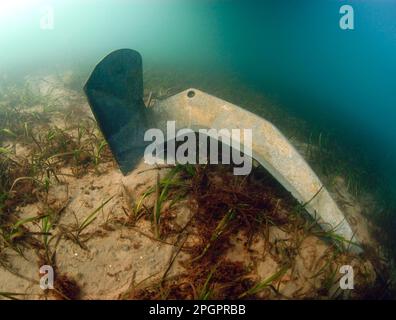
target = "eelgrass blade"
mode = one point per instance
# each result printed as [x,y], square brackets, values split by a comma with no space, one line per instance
[265,283]
[92,216]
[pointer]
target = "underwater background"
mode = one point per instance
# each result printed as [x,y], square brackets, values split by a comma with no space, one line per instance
[340,82]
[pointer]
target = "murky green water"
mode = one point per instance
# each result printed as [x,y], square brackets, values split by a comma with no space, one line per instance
[339,83]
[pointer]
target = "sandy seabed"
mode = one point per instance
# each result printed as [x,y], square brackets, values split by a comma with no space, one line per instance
[206,244]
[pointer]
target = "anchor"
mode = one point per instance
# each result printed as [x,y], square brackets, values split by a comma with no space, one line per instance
[115,95]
